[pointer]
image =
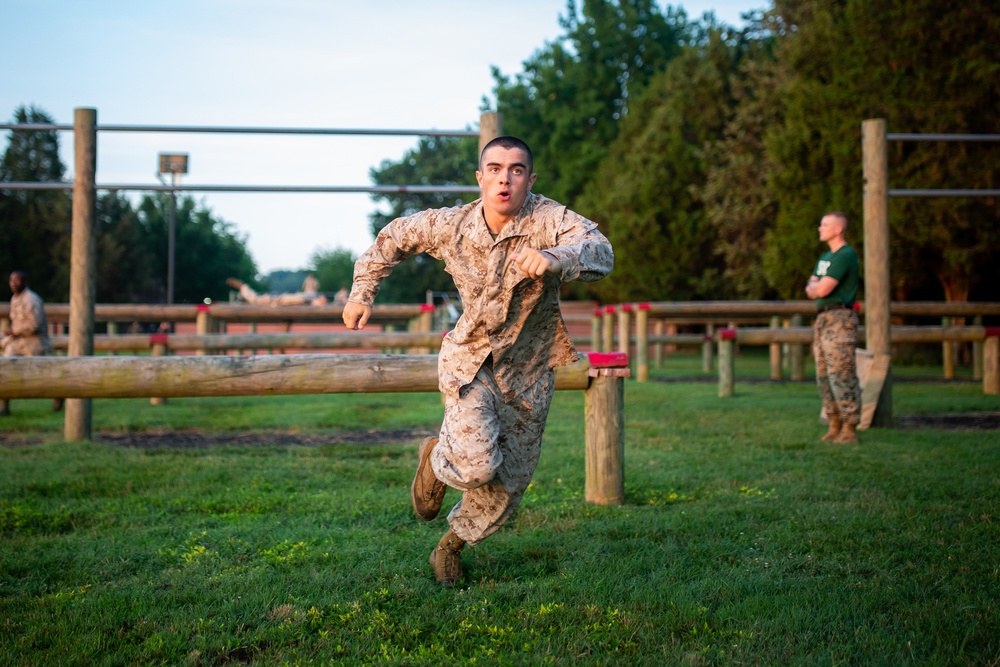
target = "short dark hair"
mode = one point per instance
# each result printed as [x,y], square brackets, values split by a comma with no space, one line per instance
[838,214]
[19,272]
[509,142]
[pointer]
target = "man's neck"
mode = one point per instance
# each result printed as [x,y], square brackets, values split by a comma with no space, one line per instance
[836,243]
[495,222]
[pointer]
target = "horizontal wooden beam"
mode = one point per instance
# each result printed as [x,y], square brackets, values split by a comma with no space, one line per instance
[170,377]
[359,340]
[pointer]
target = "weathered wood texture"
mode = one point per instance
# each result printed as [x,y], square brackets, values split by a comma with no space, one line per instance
[138,377]
[604,408]
[82,277]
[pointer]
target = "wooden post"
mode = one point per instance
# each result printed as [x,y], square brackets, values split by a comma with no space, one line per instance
[977,352]
[595,331]
[490,127]
[991,361]
[948,353]
[608,329]
[159,349]
[876,260]
[79,411]
[424,324]
[706,348]
[775,349]
[727,362]
[113,331]
[604,415]
[625,328]
[4,404]
[203,324]
[798,353]
[642,343]
[658,347]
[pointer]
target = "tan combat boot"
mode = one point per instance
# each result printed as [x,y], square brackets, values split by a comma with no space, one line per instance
[427,491]
[847,436]
[446,561]
[835,426]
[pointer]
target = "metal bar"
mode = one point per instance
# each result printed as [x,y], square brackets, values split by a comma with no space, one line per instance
[944,193]
[198,129]
[376,189]
[896,136]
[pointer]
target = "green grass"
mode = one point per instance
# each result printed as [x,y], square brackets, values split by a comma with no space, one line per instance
[743,540]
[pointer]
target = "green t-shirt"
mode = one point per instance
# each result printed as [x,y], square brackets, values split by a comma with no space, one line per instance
[843,267]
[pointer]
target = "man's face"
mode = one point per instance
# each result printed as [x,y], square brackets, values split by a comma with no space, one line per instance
[17,283]
[505,180]
[829,228]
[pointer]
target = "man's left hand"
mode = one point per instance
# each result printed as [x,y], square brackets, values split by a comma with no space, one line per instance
[535,263]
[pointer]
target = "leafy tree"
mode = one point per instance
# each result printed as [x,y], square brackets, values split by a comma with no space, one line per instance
[334,268]
[208,249]
[435,161]
[935,71]
[739,205]
[123,258]
[35,224]
[646,190]
[568,101]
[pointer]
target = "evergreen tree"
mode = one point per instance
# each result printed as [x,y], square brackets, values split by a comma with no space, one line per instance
[35,224]
[208,250]
[646,192]
[568,101]
[435,161]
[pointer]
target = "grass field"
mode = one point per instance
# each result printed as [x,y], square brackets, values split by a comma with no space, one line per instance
[743,540]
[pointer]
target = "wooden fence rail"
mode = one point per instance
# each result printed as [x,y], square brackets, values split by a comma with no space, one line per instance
[988,336]
[601,376]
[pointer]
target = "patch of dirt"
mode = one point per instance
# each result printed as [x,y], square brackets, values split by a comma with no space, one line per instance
[194,439]
[959,421]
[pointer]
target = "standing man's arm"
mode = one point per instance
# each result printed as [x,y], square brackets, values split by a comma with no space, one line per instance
[817,287]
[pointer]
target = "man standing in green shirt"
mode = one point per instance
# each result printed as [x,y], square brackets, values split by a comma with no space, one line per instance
[834,287]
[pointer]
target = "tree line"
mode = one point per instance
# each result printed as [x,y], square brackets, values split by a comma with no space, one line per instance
[708,154]
[131,238]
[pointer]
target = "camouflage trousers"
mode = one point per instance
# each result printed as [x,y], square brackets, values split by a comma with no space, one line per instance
[835,338]
[488,448]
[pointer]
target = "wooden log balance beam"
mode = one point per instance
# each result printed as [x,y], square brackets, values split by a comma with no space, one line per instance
[358,340]
[989,336]
[600,375]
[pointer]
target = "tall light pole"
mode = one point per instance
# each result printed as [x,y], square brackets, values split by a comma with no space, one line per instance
[174,164]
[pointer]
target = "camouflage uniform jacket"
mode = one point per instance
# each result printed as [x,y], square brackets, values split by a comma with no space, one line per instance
[506,314]
[29,325]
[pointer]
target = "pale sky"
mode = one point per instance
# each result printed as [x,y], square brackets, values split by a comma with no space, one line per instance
[273,63]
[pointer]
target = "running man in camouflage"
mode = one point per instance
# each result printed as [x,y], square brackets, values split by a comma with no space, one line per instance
[508,253]
[834,286]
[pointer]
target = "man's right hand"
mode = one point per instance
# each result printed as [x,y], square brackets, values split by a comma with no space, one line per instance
[356,315]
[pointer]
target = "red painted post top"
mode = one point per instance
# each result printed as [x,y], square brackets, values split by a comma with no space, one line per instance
[609,310]
[598,312]
[426,308]
[727,334]
[626,307]
[158,339]
[857,306]
[608,359]
[992,332]
[645,306]
[201,308]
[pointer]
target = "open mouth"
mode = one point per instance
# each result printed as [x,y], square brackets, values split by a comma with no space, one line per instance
[503,195]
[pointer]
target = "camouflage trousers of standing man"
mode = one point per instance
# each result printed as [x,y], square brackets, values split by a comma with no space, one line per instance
[835,338]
